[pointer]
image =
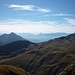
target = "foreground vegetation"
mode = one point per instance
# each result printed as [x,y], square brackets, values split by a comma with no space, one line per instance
[11,70]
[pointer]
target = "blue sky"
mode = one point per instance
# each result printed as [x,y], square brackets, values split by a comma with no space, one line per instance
[37,16]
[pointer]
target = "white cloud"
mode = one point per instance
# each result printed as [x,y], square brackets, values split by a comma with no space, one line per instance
[22,7]
[60,14]
[21,26]
[28,7]
[44,10]
[70,21]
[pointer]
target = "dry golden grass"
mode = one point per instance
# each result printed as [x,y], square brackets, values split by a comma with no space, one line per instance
[11,70]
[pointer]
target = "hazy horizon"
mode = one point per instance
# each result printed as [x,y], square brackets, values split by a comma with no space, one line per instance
[36,33]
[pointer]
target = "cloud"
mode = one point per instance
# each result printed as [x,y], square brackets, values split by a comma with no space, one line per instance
[28,7]
[44,10]
[26,26]
[22,7]
[70,21]
[60,15]
[20,26]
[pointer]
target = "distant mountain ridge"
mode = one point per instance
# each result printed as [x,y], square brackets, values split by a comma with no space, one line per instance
[8,38]
[37,38]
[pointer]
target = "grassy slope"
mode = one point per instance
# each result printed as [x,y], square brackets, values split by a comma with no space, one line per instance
[48,58]
[11,70]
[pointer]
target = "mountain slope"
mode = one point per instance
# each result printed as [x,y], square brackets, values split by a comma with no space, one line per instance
[1,43]
[11,70]
[8,38]
[14,46]
[48,58]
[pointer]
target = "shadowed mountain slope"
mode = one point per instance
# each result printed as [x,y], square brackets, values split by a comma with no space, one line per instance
[53,57]
[14,46]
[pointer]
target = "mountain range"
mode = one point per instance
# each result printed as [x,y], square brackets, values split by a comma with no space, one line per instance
[53,57]
[37,38]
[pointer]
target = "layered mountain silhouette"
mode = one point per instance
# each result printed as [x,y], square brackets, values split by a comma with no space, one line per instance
[53,57]
[37,38]
[8,38]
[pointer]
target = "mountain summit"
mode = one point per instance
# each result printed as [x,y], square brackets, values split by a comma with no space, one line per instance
[8,38]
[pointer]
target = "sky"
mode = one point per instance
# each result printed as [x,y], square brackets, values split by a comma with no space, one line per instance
[37,16]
